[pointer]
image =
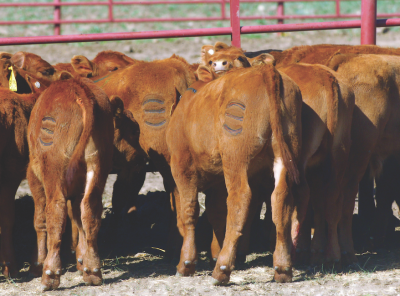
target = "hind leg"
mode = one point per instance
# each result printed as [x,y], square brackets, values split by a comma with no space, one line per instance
[238,204]
[91,208]
[216,212]
[187,214]
[8,188]
[56,215]
[39,198]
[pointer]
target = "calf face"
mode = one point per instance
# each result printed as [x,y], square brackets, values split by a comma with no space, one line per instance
[224,58]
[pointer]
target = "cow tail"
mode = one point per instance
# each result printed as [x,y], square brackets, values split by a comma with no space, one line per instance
[76,160]
[273,81]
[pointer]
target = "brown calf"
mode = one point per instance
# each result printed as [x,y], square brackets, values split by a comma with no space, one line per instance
[151,91]
[15,110]
[71,144]
[326,117]
[375,80]
[223,130]
[328,105]
[321,53]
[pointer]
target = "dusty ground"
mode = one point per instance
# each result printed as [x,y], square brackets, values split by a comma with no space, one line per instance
[133,262]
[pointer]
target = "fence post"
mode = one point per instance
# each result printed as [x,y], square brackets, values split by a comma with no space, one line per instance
[280,11]
[235,22]
[110,11]
[57,17]
[337,8]
[368,22]
[223,13]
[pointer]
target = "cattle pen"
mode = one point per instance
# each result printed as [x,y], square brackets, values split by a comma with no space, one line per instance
[145,271]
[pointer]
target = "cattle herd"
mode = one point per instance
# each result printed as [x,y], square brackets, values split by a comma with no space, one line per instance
[295,129]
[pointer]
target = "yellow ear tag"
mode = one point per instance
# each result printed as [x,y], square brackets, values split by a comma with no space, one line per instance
[12,83]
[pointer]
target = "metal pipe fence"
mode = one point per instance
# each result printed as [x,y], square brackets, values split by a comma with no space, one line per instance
[280,16]
[368,25]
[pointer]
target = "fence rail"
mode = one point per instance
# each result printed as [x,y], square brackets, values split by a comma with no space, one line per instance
[368,24]
[57,21]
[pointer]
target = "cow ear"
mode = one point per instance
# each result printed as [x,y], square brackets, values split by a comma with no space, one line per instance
[262,59]
[64,75]
[205,74]
[220,46]
[338,58]
[241,62]
[18,59]
[6,65]
[82,65]
[5,55]
[117,106]
[206,52]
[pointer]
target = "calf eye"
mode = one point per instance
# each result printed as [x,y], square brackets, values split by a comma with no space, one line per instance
[48,72]
[115,69]
[240,59]
[210,63]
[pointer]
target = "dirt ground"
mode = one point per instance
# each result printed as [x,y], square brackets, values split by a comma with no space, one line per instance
[133,261]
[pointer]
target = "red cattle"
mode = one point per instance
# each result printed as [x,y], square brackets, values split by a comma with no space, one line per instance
[70,140]
[223,130]
[375,80]
[15,110]
[151,91]
[326,117]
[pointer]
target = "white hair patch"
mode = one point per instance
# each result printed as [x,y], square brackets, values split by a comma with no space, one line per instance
[37,84]
[211,51]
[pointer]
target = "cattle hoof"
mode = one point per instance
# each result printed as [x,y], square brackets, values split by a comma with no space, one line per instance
[58,272]
[178,274]
[95,270]
[80,260]
[187,262]
[85,269]
[37,263]
[216,282]
[223,267]
[44,288]
[283,275]
[72,252]
[215,259]
[276,268]
[48,272]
